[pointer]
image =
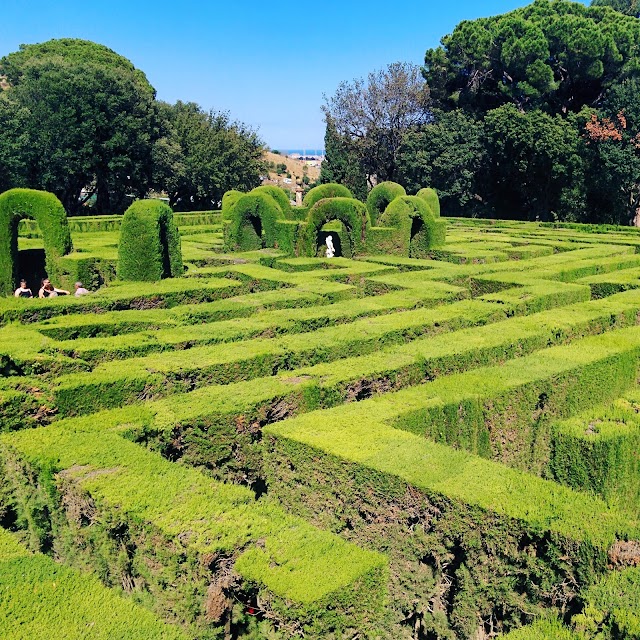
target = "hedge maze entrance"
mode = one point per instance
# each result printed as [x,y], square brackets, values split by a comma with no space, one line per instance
[382,447]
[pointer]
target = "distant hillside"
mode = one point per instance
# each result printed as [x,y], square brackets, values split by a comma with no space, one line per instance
[297,170]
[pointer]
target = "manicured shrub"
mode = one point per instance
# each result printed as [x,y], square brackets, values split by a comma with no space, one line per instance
[379,198]
[253,222]
[51,218]
[418,230]
[229,200]
[149,247]
[329,190]
[278,194]
[430,196]
[351,212]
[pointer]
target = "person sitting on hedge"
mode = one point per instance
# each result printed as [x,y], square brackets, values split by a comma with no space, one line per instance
[49,291]
[23,291]
[80,290]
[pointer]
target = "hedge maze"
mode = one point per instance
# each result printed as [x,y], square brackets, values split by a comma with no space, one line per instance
[439,441]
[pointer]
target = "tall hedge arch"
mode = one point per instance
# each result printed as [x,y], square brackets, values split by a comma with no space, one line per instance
[430,196]
[48,212]
[278,194]
[328,190]
[379,198]
[252,222]
[419,230]
[351,212]
[149,247]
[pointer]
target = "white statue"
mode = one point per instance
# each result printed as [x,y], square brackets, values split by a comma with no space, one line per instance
[330,248]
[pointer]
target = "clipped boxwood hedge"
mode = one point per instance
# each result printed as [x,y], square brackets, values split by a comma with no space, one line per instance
[329,190]
[351,212]
[51,217]
[430,196]
[252,223]
[149,247]
[379,198]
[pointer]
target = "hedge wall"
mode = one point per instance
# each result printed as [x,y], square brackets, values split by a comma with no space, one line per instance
[51,217]
[379,198]
[149,246]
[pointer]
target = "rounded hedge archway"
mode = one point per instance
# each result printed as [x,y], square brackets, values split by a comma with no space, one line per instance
[327,190]
[353,215]
[49,214]
[379,198]
[253,222]
[149,247]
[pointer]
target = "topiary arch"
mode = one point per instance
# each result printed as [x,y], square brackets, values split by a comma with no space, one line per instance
[379,198]
[353,215]
[49,214]
[252,222]
[149,247]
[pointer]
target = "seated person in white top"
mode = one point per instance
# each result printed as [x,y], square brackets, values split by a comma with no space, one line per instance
[23,291]
[80,290]
[49,291]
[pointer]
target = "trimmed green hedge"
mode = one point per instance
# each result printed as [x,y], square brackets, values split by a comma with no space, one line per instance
[149,247]
[278,194]
[612,607]
[253,222]
[329,190]
[42,599]
[430,196]
[51,217]
[351,212]
[379,198]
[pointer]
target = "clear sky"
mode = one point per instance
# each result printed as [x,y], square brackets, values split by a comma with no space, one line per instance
[268,64]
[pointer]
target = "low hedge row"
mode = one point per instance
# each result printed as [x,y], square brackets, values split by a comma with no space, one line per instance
[218,427]
[42,599]
[597,451]
[192,545]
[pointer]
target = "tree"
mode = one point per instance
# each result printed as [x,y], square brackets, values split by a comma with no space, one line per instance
[448,155]
[204,154]
[371,117]
[534,168]
[341,163]
[556,56]
[612,155]
[79,116]
[628,7]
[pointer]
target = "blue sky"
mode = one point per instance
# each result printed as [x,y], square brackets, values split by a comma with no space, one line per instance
[267,64]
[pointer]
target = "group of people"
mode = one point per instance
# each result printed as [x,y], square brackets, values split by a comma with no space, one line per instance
[47,290]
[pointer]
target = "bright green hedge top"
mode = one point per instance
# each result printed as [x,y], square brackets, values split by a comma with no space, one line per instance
[42,599]
[149,247]
[402,209]
[430,196]
[51,217]
[229,200]
[329,190]
[380,196]
[278,194]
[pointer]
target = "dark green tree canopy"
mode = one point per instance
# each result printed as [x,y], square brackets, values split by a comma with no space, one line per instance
[203,155]
[628,7]
[77,116]
[551,54]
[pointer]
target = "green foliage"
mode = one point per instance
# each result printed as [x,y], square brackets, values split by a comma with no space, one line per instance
[39,598]
[149,247]
[612,607]
[351,212]
[202,155]
[78,114]
[380,196]
[328,190]
[430,196]
[278,194]
[448,153]
[555,55]
[253,221]
[51,218]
